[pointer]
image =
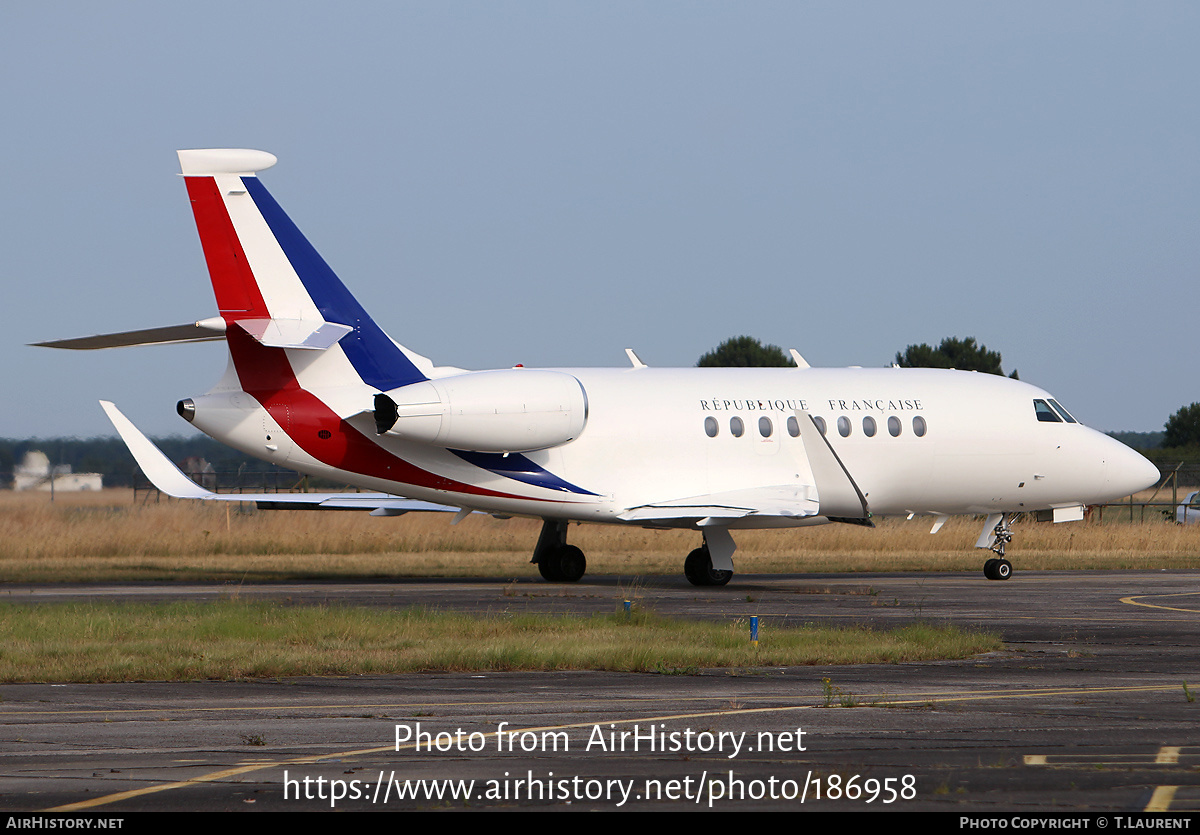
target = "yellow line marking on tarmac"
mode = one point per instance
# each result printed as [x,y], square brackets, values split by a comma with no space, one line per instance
[1009,694]
[1136,600]
[259,766]
[1160,801]
[245,708]
[344,709]
[1167,756]
[308,760]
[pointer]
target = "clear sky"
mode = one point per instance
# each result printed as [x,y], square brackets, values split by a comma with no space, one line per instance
[547,183]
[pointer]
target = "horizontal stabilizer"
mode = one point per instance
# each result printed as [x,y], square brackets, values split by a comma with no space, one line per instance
[275,333]
[171,480]
[206,330]
[294,333]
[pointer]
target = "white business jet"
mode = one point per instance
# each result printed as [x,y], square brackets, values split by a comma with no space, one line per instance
[315,385]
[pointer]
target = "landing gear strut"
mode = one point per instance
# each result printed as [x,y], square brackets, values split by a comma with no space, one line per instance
[557,561]
[999,568]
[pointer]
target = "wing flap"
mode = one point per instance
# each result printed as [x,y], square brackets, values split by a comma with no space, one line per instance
[784,500]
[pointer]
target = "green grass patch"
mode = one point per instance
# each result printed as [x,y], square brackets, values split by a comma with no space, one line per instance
[236,639]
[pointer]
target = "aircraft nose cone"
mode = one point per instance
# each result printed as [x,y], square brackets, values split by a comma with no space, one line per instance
[1128,471]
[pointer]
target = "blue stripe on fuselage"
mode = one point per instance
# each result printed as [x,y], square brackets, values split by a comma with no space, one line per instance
[520,468]
[373,354]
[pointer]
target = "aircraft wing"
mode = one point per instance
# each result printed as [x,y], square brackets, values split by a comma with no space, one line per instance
[832,493]
[171,480]
[787,500]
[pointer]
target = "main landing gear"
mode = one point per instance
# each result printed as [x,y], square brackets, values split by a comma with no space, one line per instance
[712,563]
[999,568]
[557,561]
[698,568]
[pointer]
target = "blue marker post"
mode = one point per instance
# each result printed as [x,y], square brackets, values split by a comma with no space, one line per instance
[628,608]
[754,630]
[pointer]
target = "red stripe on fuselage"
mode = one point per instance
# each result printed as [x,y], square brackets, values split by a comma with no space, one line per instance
[266,374]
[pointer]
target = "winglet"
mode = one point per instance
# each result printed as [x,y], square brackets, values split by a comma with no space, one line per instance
[158,468]
[837,493]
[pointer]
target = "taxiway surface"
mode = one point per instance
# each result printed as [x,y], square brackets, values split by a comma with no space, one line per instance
[1089,708]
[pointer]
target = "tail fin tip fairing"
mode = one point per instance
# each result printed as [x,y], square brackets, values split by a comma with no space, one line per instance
[207,162]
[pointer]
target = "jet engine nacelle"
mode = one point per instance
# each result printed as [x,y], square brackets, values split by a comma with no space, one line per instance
[512,410]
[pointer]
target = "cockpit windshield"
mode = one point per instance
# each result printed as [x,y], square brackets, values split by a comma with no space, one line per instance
[1044,413]
[1049,411]
[1065,414]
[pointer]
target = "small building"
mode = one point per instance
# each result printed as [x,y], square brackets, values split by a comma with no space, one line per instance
[35,473]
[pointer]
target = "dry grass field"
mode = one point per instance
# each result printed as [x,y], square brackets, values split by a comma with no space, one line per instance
[106,536]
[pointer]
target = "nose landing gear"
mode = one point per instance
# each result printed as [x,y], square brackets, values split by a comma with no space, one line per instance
[997,568]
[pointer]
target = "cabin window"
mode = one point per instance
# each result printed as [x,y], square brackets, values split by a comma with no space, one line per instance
[894,426]
[793,426]
[869,426]
[710,427]
[919,426]
[764,426]
[1065,414]
[736,426]
[844,426]
[820,422]
[1044,413]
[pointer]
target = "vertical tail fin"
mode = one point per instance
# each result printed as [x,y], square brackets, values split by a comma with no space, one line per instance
[271,284]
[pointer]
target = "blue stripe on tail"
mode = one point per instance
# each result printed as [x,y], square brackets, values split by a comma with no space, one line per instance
[375,357]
